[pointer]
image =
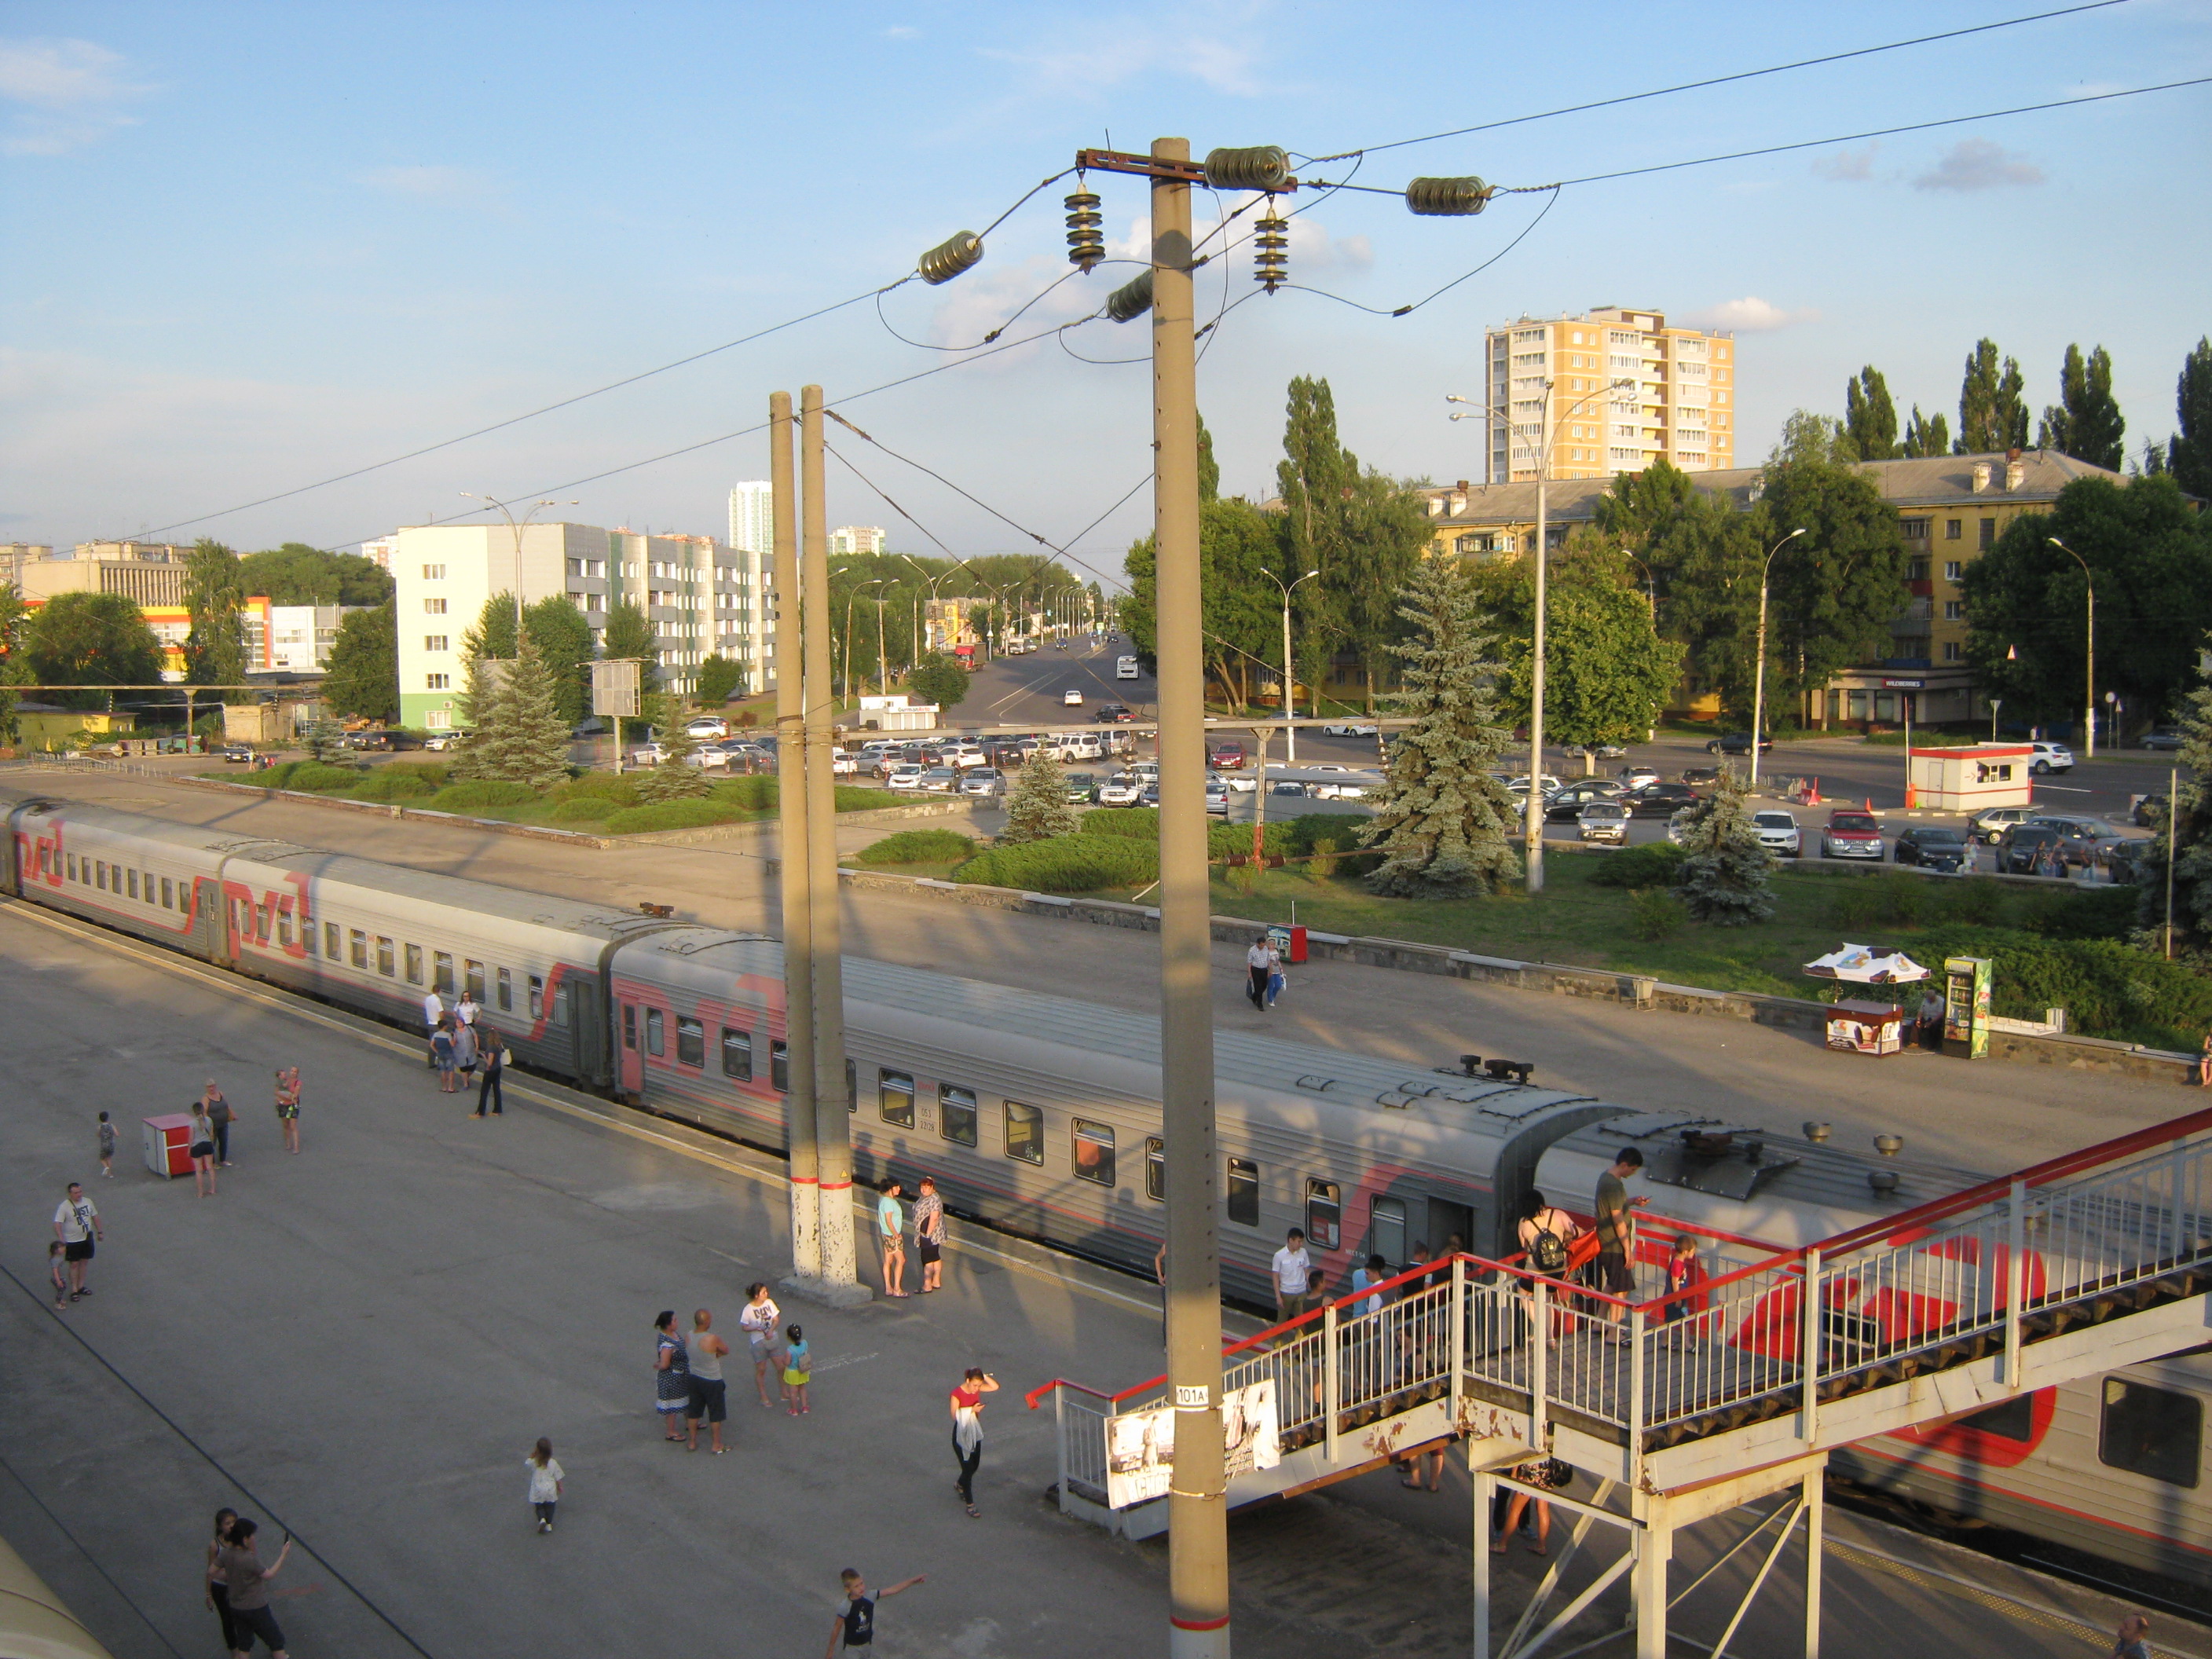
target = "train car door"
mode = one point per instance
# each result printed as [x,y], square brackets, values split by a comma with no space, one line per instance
[1446,1218]
[587,1027]
[630,1071]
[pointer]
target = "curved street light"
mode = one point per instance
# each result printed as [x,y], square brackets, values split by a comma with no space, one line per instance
[1758,673]
[516,527]
[1290,701]
[2089,642]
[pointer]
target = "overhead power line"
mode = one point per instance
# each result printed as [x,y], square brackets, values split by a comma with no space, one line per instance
[1721,79]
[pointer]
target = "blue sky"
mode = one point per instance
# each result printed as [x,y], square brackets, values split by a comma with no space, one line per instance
[250,246]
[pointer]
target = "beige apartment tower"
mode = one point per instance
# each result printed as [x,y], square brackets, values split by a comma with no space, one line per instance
[1542,373]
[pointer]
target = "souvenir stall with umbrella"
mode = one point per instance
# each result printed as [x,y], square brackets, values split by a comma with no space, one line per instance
[1861,1025]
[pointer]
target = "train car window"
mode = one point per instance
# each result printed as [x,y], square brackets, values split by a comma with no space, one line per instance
[1093,1148]
[538,1000]
[442,963]
[283,926]
[359,943]
[629,1026]
[130,882]
[2013,1419]
[1324,1212]
[383,956]
[100,874]
[1155,1167]
[1025,1133]
[472,980]
[2154,1432]
[506,991]
[1386,1228]
[169,901]
[415,964]
[1242,1196]
[307,938]
[72,867]
[778,1067]
[956,1114]
[690,1042]
[560,1016]
[653,1039]
[895,1097]
[737,1054]
[852,1088]
[331,948]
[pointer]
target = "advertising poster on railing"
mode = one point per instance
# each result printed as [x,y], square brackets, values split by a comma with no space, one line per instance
[1141,1445]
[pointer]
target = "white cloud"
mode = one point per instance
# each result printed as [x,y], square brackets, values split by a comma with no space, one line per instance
[66,93]
[1749,315]
[986,298]
[1848,166]
[902,32]
[430,181]
[1976,164]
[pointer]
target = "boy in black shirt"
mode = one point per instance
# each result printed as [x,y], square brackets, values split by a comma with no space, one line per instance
[856,1617]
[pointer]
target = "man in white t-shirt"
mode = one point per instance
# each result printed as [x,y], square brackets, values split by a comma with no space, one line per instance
[76,1223]
[1291,1266]
[1259,965]
[434,1010]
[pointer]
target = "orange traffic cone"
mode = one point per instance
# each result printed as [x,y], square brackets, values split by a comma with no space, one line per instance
[1869,806]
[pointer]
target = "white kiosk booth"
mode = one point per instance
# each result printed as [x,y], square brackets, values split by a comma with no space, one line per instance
[1968,779]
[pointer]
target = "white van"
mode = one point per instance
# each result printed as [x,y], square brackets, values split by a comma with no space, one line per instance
[1125,668]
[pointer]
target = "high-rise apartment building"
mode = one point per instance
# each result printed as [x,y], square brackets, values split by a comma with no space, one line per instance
[752,518]
[848,540]
[1557,380]
[701,598]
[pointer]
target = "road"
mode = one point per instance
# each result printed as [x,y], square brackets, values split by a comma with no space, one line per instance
[361,1342]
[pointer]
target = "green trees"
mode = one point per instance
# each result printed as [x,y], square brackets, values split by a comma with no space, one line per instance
[215,591]
[1723,874]
[1992,415]
[2192,836]
[628,633]
[1925,437]
[297,573]
[13,669]
[718,677]
[91,639]
[2086,423]
[1869,416]
[1237,549]
[520,735]
[673,777]
[2188,451]
[1441,822]
[1607,672]
[2151,554]
[937,678]
[363,676]
[563,640]
[1038,810]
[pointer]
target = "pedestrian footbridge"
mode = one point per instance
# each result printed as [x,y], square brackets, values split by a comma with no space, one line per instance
[1684,1410]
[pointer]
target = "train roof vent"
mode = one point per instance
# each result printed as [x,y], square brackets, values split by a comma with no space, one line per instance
[1515,1102]
[1394,1099]
[1310,1081]
[691,944]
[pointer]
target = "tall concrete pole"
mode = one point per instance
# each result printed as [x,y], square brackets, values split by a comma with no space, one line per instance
[1535,804]
[791,836]
[833,1131]
[1198,1524]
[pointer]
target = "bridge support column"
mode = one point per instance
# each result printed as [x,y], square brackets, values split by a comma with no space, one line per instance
[1815,1500]
[1485,1488]
[1653,1543]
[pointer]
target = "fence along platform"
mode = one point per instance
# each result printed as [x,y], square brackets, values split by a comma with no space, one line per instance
[2088,1263]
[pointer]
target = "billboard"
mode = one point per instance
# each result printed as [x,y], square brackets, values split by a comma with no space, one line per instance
[614,687]
[1141,1445]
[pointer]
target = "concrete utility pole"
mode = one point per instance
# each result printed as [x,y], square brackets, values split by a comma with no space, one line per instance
[2089,645]
[793,886]
[1198,1521]
[833,1133]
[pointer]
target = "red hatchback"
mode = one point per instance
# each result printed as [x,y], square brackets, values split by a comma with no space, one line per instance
[1852,836]
[1224,755]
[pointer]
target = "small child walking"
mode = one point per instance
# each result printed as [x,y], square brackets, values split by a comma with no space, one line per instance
[545,1478]
[798,1371]
[54,1268]
[106,1147]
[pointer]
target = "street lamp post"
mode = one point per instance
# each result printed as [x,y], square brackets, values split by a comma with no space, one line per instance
[2090,644]
[1290,709]
[516,527]
[1759,671]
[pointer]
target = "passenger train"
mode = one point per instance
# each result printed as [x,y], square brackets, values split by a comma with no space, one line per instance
[1040,1114]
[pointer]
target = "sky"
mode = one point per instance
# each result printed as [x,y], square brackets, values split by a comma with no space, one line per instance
[249,247]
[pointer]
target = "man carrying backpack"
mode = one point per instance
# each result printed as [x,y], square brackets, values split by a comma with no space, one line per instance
[1546,1233]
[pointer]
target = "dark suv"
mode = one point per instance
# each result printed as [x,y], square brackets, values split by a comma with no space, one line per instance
[1738,742]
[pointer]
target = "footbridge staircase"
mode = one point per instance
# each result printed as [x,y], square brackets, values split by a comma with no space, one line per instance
[1683,1408]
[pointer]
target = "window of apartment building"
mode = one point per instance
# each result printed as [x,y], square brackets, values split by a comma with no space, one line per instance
[434,607]
[1954,610]
[437,681]
[1915,530]
[1986,534]
[1954,652]
[433,572]
[433,642]
[1954,570]
[1917,570]
[1953,529]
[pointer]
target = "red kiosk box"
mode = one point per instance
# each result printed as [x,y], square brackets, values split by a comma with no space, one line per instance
[169,1142]
[1290,941]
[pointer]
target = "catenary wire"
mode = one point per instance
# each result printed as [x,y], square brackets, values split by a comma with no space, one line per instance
[1406,310]
[1721,79]
[988,339]
[217,1465]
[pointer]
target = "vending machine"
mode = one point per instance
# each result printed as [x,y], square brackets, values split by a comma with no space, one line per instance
[1966,1007]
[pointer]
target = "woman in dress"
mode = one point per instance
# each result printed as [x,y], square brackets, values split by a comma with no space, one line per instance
[671,1367]
[201,1146]
[288,1106]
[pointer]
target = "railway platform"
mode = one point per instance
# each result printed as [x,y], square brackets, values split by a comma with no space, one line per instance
[361,1342]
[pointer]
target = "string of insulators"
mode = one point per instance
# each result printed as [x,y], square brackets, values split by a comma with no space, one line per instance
[1271,252]
[1448,195]
[1086,241]
[950,256]
[1133,299]
[1266,168]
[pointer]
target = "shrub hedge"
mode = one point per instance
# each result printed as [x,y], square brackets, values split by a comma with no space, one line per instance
[2109,989]
[584,809]
[1652,865]
[671,815]
[433,773]
[918,847]
[478,793]
[1065,864]
[602,785]
[385,784]
[318,775]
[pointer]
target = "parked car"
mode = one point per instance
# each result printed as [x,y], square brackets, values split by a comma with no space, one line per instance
[1217,798]
[1287,786]
[985,781]
[1603,820]
[2083,835]
[1599,751]
[1935,846]
[590,727]
[1348,729]
[1119,790]
[1660,800]
[442,740]
[2051,757]
[906,775]
[962,755]
[1226,755]
[1778,833]
[1071,698]
[707,725]
[1698,777]
[1566,805]
[238,754]
[1547,783]
[651,754]
[1113,714]
[376,741]
[1852,836]
[2162,742]
[940,779]
[1678,826]
[1738,742]
[2150,812]
[2021,846]
[1149,795]
[1993,824]
[1350,789]
[1637,774]
[1237,783]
